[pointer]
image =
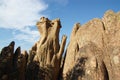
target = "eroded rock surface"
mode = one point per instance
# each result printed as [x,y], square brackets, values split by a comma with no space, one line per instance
[12,64]
[97,42]
[46,54]
[93,52]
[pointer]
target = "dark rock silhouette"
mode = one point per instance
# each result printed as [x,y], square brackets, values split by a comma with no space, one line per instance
[12,65]
[92,54]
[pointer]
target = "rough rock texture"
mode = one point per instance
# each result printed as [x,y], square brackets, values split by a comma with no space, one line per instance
[46,54]
[92,54]
[44,59]
[95,46]
[111,22]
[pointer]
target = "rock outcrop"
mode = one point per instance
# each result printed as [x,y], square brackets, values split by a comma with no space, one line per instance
[95,46]
[12,64]
[44,59]
[93,52]
[47,52]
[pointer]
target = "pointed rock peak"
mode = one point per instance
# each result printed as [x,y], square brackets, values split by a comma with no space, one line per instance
[18,48]
[77,24]
[9,50]
[18,51]
[12,44]
[11,47]
[25,54]
[75,28]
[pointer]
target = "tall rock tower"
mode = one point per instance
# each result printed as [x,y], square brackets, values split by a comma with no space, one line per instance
[47,51]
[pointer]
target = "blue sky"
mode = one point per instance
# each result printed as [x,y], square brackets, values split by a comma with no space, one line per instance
[18,17]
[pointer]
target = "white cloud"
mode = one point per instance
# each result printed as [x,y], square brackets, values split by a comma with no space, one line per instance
[25,37]
[20,15]
[27,34]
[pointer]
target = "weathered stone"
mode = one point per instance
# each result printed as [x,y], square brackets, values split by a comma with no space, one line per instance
[12,65]
[22,63]
[104,34]
[49,40]
[47,52]
[6,60]
[89,64]
[111,22]
[92,54]
[81,35]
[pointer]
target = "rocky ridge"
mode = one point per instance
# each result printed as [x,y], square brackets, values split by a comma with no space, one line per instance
[93,51]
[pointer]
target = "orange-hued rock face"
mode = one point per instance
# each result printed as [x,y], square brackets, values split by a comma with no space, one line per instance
[98,41]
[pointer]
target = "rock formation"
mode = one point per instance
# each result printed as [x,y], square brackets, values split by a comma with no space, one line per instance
[47,53]
[97,44]
[12,64]
[93,52]
[44,59]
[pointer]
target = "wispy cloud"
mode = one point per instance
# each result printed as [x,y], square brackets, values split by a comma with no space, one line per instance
[21,15]
[27,35]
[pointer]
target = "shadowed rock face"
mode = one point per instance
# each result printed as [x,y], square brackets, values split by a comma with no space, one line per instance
[92,54]
[12,64]
[98,41]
